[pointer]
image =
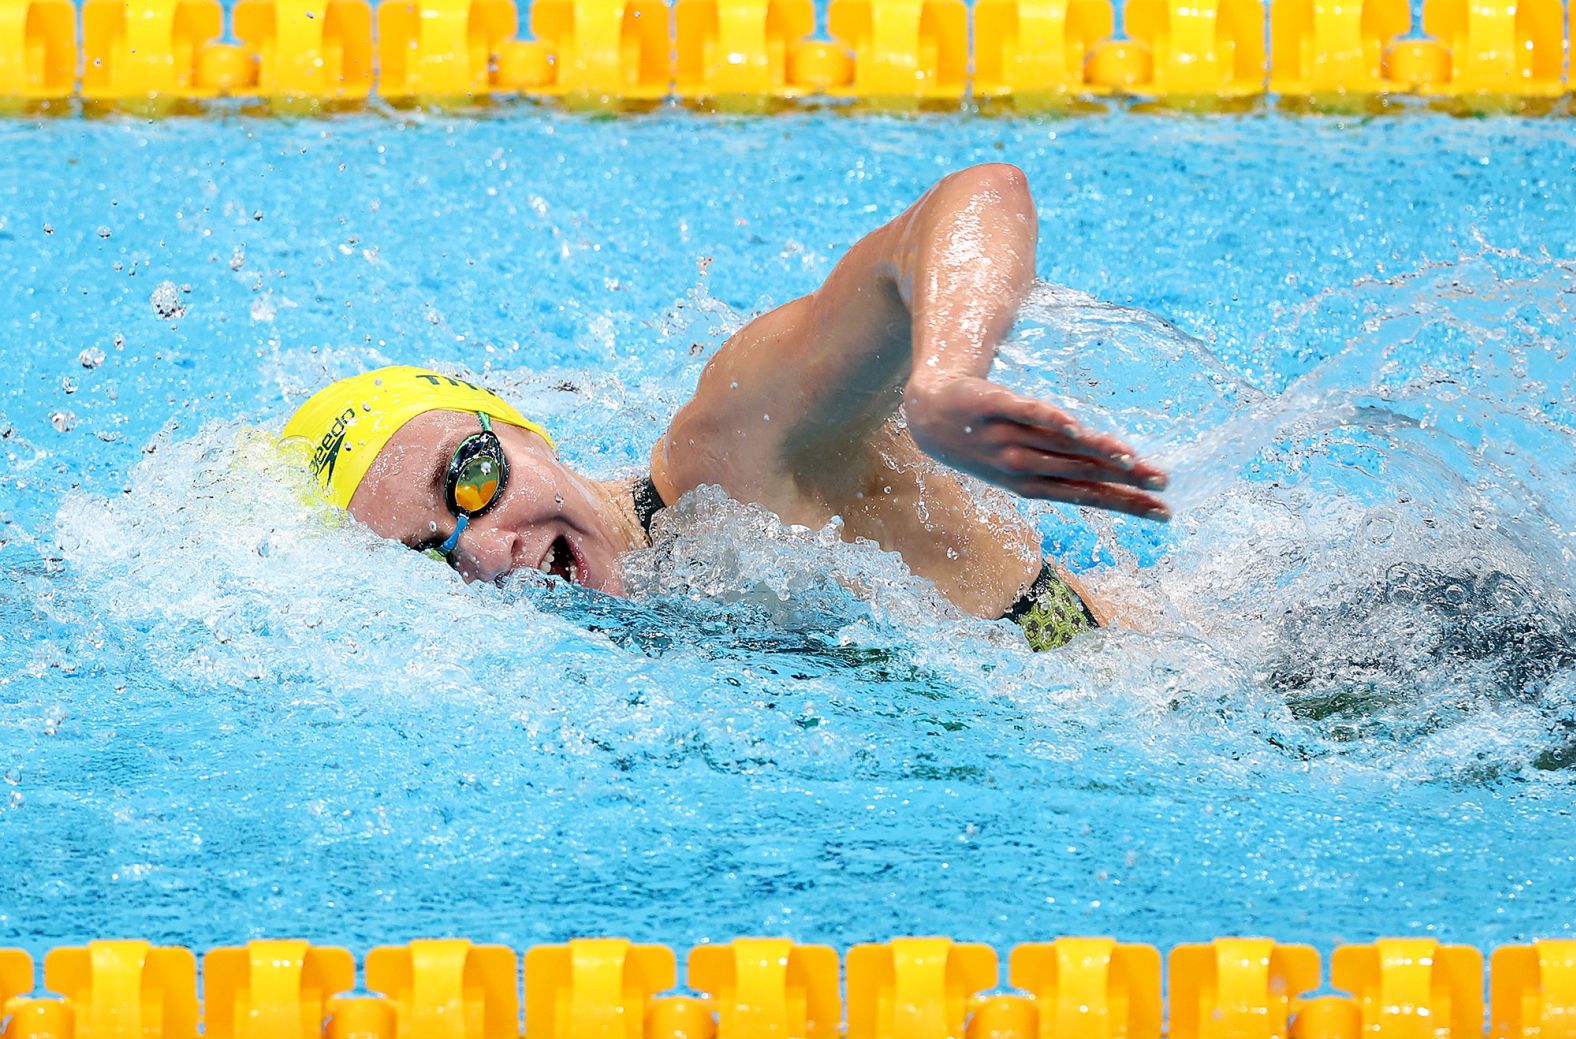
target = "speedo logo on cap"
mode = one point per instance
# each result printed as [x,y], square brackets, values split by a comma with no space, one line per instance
[327,451]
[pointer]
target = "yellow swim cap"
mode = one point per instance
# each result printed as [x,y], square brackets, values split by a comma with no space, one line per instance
[346,423]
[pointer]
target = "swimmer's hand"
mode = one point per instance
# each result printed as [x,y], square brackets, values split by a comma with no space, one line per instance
[1032,448]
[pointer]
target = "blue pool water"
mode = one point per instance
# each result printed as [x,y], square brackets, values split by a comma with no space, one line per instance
[224,714]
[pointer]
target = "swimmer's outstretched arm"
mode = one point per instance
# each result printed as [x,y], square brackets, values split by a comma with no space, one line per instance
[964,260]
[911,316]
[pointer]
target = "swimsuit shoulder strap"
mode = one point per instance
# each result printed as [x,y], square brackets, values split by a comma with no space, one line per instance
[647,502]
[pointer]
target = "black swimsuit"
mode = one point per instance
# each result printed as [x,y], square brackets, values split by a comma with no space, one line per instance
[1050,612]
[647,503]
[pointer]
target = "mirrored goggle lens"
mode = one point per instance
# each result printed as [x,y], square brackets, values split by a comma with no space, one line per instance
[476,483]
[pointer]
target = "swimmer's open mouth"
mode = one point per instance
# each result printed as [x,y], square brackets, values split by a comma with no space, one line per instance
[560,561]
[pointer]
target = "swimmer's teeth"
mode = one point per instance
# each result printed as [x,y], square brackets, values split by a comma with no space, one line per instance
[562,559]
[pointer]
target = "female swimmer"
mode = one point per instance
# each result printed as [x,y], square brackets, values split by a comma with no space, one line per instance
[837,404]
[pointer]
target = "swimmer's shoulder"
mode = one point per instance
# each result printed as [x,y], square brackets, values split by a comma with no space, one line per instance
[735,429]
[715,441]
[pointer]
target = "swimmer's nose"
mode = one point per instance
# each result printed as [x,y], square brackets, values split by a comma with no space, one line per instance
[485,552]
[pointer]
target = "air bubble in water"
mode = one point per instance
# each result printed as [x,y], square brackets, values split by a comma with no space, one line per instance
[91,358]
[1456,594]
[63,421]
[1379,528]
[167,302]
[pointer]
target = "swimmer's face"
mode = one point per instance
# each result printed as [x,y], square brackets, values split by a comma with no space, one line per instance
[547,518]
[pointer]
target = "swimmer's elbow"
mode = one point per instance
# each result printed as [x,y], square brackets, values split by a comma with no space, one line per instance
[1002,178]
[993,198]
[977,194]
[991,185]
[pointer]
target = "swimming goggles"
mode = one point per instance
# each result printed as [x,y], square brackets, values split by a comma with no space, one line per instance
[475,482]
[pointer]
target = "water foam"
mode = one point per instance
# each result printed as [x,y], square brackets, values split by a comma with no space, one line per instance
[1387,542]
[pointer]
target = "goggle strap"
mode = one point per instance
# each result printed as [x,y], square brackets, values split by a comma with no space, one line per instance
[448,547]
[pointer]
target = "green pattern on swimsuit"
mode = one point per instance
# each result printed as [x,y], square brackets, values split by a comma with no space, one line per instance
[1054,616]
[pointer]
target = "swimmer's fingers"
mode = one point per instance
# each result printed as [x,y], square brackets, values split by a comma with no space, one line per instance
[1031,450]
[1058,431]
[986,429]
[1115,497]
[1016,460]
